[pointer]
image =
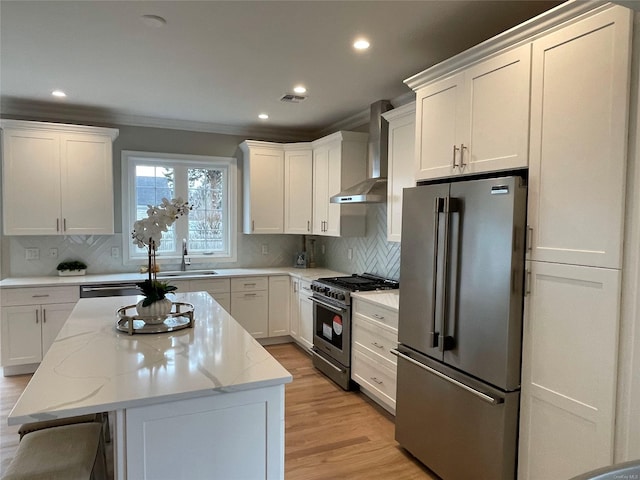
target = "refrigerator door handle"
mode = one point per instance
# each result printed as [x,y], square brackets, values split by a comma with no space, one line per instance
[445,342]
[482,396]
[437,208]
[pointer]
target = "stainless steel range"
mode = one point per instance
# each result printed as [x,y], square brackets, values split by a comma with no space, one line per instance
[332,321]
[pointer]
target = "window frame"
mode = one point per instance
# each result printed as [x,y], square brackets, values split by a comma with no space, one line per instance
[130,159]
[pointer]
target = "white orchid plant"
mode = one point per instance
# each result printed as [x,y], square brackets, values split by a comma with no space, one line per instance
[147,233]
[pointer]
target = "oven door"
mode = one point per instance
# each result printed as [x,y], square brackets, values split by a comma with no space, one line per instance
[332,330]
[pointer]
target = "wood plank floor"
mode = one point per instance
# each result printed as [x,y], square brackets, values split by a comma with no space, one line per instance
[330,434]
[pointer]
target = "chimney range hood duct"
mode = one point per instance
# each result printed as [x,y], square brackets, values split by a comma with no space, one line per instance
[374,188]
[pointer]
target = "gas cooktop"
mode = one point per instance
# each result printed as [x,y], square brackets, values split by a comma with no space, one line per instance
[357,283]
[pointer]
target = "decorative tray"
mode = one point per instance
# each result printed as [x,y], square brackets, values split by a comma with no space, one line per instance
[130,322]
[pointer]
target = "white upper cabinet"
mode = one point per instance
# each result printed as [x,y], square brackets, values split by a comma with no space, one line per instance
[579,111]
[339,162]
[57,179]
[476,120]
[402,127]
[263,172]
[298,188]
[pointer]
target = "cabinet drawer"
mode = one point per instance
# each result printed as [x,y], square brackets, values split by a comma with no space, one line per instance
[39,295]
[378,379]
[377,339]
[377,313]
[217,285]
[245,284]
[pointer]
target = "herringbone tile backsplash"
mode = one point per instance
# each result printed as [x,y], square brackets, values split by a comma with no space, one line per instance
[371,253]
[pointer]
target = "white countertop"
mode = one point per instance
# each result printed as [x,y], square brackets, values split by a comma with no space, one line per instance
[46,281]
[386,298]
[91,367]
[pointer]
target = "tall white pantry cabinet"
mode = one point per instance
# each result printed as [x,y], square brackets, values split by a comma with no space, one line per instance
[575,147]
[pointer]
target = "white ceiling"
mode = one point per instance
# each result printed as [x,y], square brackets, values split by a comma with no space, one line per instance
[216,64]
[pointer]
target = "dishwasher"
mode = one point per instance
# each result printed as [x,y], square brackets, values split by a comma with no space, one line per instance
[109,290]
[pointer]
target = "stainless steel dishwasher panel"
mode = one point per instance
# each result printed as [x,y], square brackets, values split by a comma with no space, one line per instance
[108,290]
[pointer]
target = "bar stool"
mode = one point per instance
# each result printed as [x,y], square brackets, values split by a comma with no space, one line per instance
[68,452]
[57,422]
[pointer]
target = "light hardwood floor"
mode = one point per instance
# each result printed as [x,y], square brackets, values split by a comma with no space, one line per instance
[329,434]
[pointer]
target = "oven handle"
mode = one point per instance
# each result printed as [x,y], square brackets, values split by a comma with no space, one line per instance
[329,306]
[326,361]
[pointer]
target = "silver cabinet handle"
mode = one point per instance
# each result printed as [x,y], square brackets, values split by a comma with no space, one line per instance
[377,345]
[482,396]
[250,294]
[308,225]
[37,319]
[295,287]
[529,238]
[527,282]
[253,225]
[64,225]
[44,315]
[40,296]
[455,149]
[379,317]
[462,149]
[250,284]
[57,224]
[379,382]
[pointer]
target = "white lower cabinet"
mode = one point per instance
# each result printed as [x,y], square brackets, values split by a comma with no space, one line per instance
[294,309]
[305,326]
[218,288]
[569,370]
[375,334]
[250,304]
[279,305]
[31,320]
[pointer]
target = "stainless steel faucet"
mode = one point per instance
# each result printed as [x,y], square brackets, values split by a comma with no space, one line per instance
[183,264]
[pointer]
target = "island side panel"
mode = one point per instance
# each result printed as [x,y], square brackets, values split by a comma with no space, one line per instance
[225,435]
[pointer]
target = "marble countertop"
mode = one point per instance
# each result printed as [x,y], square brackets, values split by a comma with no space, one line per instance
[386,298]
[51,281]
[91,367]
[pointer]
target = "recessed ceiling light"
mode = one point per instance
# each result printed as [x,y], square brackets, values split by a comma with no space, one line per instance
[361,44]
[299,89]
[58,93]
[153,21]
[263,116]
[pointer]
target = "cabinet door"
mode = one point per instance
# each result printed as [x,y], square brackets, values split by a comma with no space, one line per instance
[53,318]
[402,137]
[498,128]
[440,109]
[224,299]
[320,189]
[279,306]
[298,191]
[579,111]
[568,370]
[264,195]
[250,309]
[86,177]
[31,182]
[21,343]
[294,309]
[334,210]
[306,315]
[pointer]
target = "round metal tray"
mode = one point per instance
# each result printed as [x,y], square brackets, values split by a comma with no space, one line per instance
[130,322]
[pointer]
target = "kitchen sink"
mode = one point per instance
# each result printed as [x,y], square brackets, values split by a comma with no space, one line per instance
[186,273]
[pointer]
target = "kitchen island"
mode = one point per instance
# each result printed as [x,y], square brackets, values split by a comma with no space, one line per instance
[203,402]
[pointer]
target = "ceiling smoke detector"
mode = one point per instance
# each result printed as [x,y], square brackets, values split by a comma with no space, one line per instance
[292,98]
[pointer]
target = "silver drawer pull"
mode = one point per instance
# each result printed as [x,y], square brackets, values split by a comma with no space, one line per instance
[40,296]
[250,294]
[379,382]
[249,284]
[377,345]
[379,317]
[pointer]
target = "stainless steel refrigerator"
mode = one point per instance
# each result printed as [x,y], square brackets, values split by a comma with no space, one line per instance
[460,326]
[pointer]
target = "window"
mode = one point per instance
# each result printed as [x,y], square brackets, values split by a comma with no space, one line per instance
[208,183]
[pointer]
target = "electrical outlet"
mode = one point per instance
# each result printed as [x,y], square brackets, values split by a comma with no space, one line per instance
[115,252]
[350,253]
[53,253]
[265,249]
[32,254]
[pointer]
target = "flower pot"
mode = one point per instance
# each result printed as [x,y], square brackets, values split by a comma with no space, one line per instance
[156,312]
[72,273]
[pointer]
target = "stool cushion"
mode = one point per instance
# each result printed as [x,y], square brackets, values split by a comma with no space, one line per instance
[59,453]
[57,422]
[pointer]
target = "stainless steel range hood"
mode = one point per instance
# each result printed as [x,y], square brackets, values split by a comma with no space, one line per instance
[374,188]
